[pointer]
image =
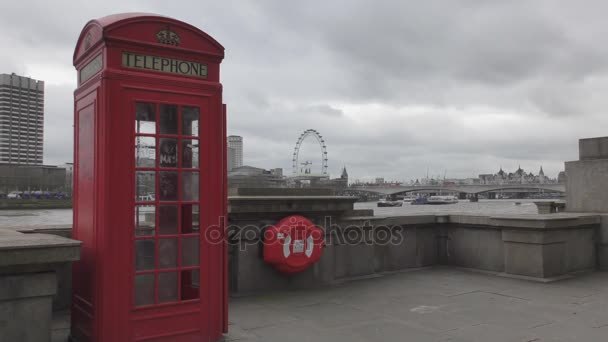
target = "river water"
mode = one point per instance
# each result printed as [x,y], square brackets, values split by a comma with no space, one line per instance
[483,207]
[29,218]
[33,217]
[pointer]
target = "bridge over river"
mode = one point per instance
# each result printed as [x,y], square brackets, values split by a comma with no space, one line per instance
[466,189]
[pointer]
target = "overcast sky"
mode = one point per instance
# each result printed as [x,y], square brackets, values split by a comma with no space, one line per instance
[395,87]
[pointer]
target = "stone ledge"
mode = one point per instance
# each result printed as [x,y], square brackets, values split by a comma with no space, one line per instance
[299,198]
[26,249]
[523,222]
[13,287]
[593,148]
[390,220]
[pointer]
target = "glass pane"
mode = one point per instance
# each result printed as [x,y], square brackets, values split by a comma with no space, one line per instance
[190,121]
[144,255]
[167,253]
[190,246]
[144,289]
[168,186]
[168,119]
[167,219]
[145,152]
[144,186]
[190,284]
[168,152]
[167,287]
[190,153]
[145,118]
[190,218]
[144,220]
[190,186]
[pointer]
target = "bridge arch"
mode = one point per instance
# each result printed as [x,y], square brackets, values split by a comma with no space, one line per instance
[468,189]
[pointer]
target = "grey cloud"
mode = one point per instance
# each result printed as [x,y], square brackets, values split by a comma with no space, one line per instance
[359,72]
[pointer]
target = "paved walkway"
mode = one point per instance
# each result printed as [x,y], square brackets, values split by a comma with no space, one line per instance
[438,304]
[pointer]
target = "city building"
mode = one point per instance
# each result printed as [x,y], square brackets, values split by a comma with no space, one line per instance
[337,185]
[561,177]
[517,177]
[231,151]
[69,175]
[236,142]
[21,119]
[15,177]
[255,177]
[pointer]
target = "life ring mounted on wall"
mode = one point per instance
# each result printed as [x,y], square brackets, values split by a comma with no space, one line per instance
[293,244]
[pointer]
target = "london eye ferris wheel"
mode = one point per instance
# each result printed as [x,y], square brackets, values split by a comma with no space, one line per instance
[296,154]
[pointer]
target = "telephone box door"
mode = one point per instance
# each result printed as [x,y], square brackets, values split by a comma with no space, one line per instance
[176,203]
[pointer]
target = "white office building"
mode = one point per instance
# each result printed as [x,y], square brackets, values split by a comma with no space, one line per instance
[235,142]
[21,119]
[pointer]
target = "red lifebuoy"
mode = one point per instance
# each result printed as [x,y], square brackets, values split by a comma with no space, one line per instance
[293,244]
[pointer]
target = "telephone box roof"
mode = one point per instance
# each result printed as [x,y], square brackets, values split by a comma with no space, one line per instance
[102,29]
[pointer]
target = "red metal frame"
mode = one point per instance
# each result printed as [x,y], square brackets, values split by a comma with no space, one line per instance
[105,185]
[179,202]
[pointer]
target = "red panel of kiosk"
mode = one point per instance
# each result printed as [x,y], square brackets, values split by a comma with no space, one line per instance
[149,182]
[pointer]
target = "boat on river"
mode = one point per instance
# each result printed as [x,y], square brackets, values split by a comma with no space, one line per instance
[419,201]
[409,199]
[385,203]
[442,200]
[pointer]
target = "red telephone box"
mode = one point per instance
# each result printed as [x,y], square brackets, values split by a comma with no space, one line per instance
[149,190]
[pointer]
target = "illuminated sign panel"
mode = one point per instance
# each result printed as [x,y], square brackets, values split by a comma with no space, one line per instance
[163,64]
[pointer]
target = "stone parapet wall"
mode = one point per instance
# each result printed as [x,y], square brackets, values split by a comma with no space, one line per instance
[29,282]
[537,247]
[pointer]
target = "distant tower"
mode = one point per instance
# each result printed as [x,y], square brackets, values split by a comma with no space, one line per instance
[231,152]
[236,142]
[21,119]
[541,175]
[344,173]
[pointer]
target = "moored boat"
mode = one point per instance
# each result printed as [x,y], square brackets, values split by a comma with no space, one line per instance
[385,203]
[409,199]
[419,201]
[442,200]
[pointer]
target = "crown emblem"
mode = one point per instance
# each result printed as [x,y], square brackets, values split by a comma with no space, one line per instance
[168,37]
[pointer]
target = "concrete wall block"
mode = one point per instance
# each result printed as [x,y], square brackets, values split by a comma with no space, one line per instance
[426,246]
[586,186]
[381,259]
[406,253]
[461,247]
[26,319]
[524,259]
[593,148]
[398,255]
[27,285]
[535,236]
[254,275]
[602,257]
[580,251]
[319,274]
[341,261]
[474,247]
[490,251]
[602,231]
[554,260]
[358,260]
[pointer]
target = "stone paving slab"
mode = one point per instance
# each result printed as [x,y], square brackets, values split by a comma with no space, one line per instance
[437,304]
